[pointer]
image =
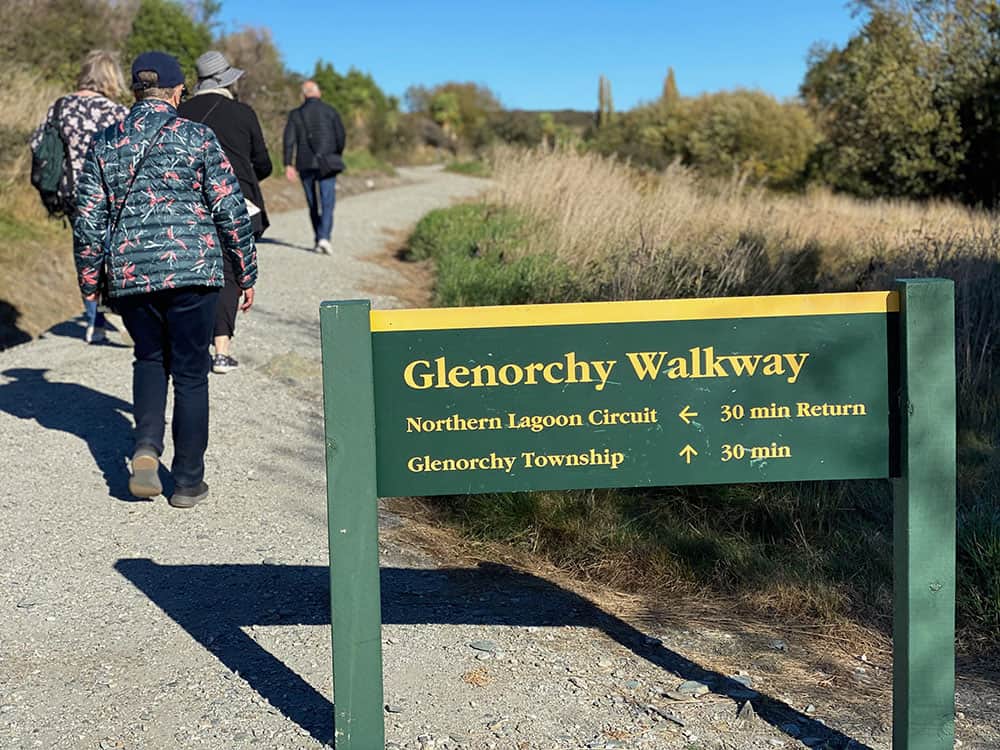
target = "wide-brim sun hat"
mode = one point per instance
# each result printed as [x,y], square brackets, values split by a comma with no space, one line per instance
[215,72]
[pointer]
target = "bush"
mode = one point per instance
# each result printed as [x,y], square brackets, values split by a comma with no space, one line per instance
[736,132]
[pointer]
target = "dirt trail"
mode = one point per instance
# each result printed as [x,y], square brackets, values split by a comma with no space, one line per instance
[129,624]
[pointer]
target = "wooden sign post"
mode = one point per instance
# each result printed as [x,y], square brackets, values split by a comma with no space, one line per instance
[631,394]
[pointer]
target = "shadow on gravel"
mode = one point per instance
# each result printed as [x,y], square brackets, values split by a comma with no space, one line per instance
[214,602]
[96,418]
[75,328]
[282,243]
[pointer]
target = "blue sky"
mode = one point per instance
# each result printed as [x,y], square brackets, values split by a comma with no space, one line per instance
[548,54]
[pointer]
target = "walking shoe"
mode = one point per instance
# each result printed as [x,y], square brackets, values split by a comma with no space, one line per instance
[324,246]
[145,479]
[94,335]
[223,363]
[188,497]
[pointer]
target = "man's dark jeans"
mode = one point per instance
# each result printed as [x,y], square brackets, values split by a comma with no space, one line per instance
[321,194]
[172,330]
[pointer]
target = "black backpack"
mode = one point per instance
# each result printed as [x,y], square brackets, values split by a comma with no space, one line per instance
[49,161]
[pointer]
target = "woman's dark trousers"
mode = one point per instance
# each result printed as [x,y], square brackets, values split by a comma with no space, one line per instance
[172,330]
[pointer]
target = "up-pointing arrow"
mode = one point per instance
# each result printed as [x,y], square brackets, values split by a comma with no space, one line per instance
[686,414]
[687,452]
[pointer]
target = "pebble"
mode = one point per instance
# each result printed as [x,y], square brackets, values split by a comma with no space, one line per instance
[743,679]
[779,645]
[746,713]
[693,688]
[810,709]
[486,646]
[674,695]
[668,715]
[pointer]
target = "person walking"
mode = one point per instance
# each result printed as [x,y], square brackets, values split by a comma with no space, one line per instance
[158,205]
[78,117]
[314,147]
[236,126]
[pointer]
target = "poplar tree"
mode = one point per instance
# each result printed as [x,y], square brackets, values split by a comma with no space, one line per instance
[605,104]
[670,94]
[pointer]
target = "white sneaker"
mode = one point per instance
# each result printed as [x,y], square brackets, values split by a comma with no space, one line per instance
[323,246]
[94,335]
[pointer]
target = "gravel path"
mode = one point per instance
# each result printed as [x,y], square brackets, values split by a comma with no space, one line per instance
[128,624]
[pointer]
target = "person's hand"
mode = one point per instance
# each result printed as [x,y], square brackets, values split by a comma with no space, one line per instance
[247,300]
[92,297]
[290,174]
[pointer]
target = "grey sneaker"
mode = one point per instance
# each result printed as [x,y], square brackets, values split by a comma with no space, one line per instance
[145,479]
[188,497]
[223,363]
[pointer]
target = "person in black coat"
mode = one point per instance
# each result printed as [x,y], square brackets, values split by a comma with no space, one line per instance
[314,145]
[236,126]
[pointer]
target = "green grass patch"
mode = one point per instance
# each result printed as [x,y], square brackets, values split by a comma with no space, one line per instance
[470,168]
[474,249]
[14,229]
[361,161]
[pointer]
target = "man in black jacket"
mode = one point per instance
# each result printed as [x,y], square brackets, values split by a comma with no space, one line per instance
[236,126]
[314,145]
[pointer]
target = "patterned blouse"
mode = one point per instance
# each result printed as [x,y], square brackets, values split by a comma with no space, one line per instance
[82,118]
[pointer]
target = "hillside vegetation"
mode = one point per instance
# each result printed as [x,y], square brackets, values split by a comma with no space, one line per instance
[562,226]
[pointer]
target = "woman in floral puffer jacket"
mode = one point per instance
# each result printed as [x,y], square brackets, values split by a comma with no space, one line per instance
[159,201]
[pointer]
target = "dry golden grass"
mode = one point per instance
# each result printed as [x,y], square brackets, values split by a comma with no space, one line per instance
[24,100]
[591,207]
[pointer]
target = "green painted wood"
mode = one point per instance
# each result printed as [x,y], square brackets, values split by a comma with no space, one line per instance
[924,521]
[702,406]
[352,517]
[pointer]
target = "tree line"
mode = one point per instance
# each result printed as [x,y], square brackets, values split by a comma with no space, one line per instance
[909,106]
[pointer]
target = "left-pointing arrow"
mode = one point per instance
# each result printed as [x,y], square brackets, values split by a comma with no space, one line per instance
[687,452]
[686,414]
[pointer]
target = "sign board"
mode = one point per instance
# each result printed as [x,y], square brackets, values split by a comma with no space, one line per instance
[659,393]
[669,393]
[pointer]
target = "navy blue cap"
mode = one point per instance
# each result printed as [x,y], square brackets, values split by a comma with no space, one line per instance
[167,69]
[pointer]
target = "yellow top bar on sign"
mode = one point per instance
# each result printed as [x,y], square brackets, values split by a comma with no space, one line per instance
[577,313]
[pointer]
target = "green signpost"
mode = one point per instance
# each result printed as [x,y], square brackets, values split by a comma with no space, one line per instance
[629,394]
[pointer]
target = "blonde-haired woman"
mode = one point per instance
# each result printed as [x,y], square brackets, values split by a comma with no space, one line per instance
[79,117]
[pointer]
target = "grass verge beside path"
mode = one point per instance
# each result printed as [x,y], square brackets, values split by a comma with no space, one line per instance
[470,168]
[808,552]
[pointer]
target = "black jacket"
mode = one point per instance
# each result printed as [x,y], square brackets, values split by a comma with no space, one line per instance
[325,130]
[238,130]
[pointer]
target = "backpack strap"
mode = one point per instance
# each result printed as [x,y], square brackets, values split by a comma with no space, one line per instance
[68,160]
[305,127]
